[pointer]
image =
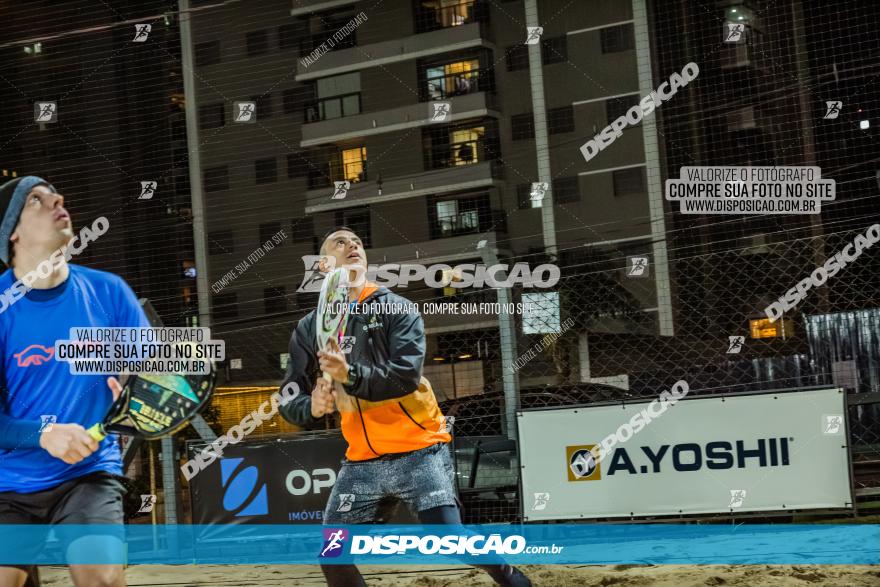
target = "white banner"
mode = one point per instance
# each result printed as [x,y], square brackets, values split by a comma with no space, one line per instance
[739,453]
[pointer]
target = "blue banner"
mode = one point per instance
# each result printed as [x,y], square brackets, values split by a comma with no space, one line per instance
[591,544]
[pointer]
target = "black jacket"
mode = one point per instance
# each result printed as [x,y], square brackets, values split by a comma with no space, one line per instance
[388,354]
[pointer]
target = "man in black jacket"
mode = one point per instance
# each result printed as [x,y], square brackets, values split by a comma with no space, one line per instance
[397,437]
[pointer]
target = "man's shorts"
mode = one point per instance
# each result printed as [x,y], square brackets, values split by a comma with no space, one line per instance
[422,479]
[95,498]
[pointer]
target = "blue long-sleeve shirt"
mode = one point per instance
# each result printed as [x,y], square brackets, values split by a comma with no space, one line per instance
[34,387]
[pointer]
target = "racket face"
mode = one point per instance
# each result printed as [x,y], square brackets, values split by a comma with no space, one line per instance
[332,307]
[153,406]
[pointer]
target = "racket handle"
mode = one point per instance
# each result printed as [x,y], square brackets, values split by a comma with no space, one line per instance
[97,432]
[327,378]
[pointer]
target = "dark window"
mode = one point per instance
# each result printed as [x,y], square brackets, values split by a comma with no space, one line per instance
[207,53]
[295,99]
[566,190]
[517,57]
[554,50]
[333,107]
[303,230]
[522,126]
[560,120]
[266,170]
[629,181]
[212,115]
[617,38]
[297,165]
[257,43]
[268,230]
[523,196]
[216,179]
[225,306]
[358,220]
[289,35]
[617,107]
[220,242]
[275,300]
[463,215]
[264,105]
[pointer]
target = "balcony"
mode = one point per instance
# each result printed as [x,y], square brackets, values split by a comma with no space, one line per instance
[461,154]
[307,7]
[402,49]
[469,222]
[443,17]
[329,130]
[440,181]
[447,86]
[345,105]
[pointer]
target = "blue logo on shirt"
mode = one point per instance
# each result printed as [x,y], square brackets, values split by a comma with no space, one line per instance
[242,493]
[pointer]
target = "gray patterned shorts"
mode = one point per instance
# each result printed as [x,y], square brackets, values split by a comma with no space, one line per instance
[422,479]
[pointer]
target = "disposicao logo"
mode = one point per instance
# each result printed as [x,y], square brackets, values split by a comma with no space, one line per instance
[334,541]
[242,493]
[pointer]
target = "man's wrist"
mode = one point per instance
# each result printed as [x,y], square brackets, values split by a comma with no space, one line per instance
[352,375]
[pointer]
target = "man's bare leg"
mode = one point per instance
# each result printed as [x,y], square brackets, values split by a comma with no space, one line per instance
[92,575]
[12,577]
[98,575]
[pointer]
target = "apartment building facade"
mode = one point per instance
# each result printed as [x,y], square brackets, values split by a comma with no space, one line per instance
[423,187]
[119,122]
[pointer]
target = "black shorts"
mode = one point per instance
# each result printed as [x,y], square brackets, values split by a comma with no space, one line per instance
[95,498]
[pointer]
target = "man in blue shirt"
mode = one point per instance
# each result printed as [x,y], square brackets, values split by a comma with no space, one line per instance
[51,470]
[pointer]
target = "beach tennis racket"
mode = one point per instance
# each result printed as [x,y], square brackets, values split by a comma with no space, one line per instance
[332,313]
[156,405]
[153,405]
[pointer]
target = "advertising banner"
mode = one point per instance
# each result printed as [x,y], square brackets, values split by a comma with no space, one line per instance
[736,453]
[272,481]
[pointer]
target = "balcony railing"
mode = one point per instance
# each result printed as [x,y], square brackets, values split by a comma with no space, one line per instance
[312,42]
[469,222]
[458,154]
[333,107]
[337,171]
[432,19]
[456,84]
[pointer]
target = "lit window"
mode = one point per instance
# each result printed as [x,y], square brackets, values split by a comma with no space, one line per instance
[452,79]
[763,328]
[465,145]
[450,12]
[354,162]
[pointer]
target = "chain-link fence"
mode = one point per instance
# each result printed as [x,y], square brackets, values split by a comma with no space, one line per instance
[647,295]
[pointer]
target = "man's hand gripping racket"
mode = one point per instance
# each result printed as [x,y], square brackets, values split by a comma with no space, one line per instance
[153,406]
[331,320]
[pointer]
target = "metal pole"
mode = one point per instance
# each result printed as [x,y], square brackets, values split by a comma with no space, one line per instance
[454,386]
[153,513]
[195,165]
[510,378]
[542,149]
[169,479]
[204,431]
[652,169]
